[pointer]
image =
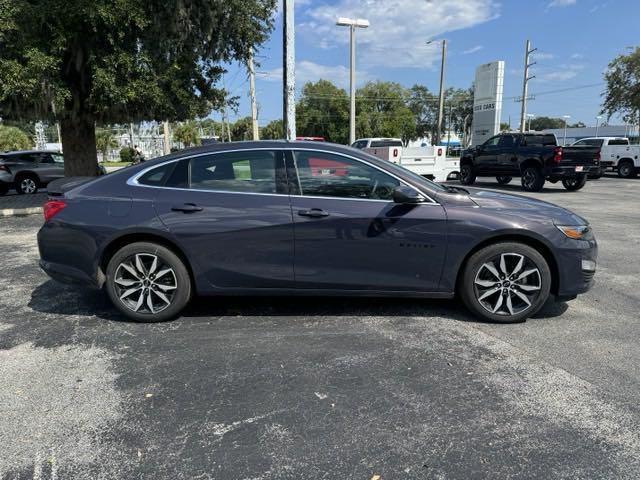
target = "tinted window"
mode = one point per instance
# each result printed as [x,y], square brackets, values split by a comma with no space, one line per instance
[326,175]
[45,158]
[619,141]
[250,171]
[591,142]
[385,143]
[359,144]
[540,140]
[179,176]
[157,176]
[493,141]
[507,141]
[57,158]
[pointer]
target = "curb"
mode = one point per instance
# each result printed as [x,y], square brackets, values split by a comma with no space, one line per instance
[15,212]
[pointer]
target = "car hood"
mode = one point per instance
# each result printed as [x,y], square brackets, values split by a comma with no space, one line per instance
[509,203]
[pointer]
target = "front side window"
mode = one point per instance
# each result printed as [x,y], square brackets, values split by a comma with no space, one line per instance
[57,158]
[248,171]
[492,142]
[507,141]
[323,174]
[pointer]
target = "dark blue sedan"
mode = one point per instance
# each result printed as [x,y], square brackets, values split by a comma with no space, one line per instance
[302,218]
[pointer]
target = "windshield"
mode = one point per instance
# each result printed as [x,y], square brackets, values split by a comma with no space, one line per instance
[417,179]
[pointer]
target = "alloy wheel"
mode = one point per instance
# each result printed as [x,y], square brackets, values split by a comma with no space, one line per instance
[28,185]
[508,284]
[145,284]
[529,178]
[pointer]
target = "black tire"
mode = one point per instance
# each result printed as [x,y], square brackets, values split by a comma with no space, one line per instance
[475,271]
[576,183]
[596,176]
[503,179]
[4,188]
[166,259]
[532,179]
[27,183]
[626,169]
[467,175]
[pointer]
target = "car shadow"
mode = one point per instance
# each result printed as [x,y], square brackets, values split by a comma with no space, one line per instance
[53,298]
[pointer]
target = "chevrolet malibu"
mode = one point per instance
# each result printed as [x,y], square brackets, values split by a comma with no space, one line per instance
[302,218]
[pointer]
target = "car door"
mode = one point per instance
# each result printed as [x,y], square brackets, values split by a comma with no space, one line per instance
[487,156]
[350,235]
[507,156]
[230,212]
[47,169]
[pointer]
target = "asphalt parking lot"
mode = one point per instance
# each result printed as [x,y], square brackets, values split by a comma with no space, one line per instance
[325,388]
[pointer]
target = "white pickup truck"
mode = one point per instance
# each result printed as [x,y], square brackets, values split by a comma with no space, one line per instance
[430,162]
[615,153]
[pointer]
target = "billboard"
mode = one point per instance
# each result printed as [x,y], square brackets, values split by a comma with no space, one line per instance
[487,101]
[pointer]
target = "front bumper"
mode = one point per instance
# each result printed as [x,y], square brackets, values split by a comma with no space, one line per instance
[576,267]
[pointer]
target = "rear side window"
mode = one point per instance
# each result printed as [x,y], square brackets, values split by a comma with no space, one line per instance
[249,172]
[619,141]
[157,176]
[385,143]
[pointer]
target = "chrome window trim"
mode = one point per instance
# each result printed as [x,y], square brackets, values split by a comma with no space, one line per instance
[133,180]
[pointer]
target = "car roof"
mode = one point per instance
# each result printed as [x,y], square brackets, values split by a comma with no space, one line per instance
[24,152]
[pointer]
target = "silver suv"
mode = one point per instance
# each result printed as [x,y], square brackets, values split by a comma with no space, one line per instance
[29,170]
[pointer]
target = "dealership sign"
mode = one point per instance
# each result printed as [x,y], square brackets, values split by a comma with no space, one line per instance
[487,101]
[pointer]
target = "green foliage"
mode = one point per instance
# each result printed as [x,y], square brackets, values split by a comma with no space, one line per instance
[424,106]
[105,142]
[242,129]
[622,95]
[323,111]
[120,61]
[382,112]
[504,127]
[12,138]
[274,130]
[127,154]
[187,134]
[544,123]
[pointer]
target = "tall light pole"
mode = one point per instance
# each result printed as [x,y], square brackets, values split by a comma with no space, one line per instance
[525,84]
[288,72]
[564,139]
[352,23]
[529,116]
[598,117]
[252,93]
[436,140]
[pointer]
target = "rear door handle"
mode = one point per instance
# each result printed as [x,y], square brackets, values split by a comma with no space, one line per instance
[313,213]
[186,208]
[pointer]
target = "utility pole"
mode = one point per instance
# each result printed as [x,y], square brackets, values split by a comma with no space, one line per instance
[166,146]
[441,96]
[523,112]
[598,117]
[288,72]
[352,23]
[252,94]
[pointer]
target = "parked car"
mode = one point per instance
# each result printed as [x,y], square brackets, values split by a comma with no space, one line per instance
[616,154]
[362,143]
[29,170]
[255,218]
[535,157]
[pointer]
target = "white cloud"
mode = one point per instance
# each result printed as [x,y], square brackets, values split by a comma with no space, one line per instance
[543,55]
[560,73]
[475,49]
[562,3]
[398,28]
[307,71]
[577,56]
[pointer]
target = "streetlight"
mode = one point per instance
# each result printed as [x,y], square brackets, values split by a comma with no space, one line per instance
[352,23]
[598,117]
[530,116]
[564,140]
[441,96]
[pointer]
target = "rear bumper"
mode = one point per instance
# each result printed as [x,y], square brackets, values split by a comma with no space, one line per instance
[66,274]
[570,171]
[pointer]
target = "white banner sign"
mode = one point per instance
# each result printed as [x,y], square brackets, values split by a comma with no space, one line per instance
[487,101]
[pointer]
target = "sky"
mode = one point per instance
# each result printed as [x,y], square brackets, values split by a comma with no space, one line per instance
[575,41]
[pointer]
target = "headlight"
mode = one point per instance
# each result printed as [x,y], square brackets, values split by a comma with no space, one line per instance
[577,232]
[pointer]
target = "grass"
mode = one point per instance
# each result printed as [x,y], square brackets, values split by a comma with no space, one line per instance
[115,164]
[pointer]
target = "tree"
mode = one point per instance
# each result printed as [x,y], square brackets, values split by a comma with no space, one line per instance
[12,138]
[459,110]
[274,130]
[545,123]
[504,127]
[82,62]
[577,125]
[323,111]
[622,95]
[242,129]
[382,112]
[187,134]
[105,142]
[424,106]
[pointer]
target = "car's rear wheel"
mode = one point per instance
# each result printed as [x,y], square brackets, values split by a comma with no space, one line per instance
[148,282]
[576,183]
[626,169]
[532,179]
[467,175]
[503,179]
[505,282]
[27,184]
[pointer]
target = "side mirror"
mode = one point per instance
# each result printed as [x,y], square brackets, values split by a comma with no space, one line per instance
[404,194]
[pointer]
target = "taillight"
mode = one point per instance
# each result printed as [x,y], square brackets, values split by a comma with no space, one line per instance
[597,157]
[4,168]
[557,154]
[439,152]
[51,208]
[395,152]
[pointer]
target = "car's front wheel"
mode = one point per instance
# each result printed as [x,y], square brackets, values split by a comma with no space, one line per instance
[148,282]
[467,175]
[505,282]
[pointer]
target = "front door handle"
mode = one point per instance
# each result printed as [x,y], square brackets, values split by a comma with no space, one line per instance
[313,213]
[186,208]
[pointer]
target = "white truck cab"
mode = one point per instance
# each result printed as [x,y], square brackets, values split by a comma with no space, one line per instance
[615,153]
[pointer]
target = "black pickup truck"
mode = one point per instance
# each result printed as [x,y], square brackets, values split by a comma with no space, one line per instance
[535,157]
